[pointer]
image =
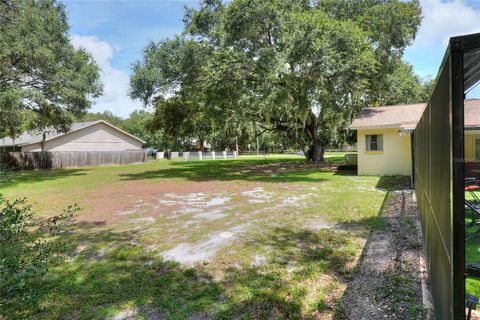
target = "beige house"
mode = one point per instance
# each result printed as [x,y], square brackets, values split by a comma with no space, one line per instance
[384,138]
[83,136]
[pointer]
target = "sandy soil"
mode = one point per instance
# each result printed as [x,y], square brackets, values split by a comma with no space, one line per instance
[132,197]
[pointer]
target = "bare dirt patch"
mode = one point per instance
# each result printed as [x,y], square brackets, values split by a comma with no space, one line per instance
[143,203]
[192,253]
[112,205]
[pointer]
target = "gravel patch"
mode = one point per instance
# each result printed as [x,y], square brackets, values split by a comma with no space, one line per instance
[387,283]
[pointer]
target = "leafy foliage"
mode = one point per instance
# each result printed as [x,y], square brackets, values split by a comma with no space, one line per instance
[300,69]
[26,250]
[406,87]
[139,123]
[43,79]
[105,115]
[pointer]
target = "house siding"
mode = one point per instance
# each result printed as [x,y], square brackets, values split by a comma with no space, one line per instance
[395,159]
[32,147]
[470,137]
[98,137]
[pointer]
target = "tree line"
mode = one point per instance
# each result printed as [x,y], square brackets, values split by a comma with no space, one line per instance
[267,74]
[299,69]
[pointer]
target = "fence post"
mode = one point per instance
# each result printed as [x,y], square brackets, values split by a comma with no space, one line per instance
[224,154]
[186,155]
[213,155]
[235,154]
[200,156]
[160,155]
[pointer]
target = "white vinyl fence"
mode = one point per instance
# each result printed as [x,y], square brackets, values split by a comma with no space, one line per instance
[212,155]
[198,155]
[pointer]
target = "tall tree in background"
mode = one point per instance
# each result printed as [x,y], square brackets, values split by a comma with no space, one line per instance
[406,87]
[299,68]
[43,79]
[105,115]
[169,77]
[139,124]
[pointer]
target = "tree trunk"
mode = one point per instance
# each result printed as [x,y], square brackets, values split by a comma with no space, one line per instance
[236,145]
[316,153]
[256,133]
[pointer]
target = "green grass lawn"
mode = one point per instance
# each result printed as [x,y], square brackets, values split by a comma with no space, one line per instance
[472,254]
[254,237]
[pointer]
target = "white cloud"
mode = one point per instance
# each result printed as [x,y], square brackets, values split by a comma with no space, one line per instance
[116,82]
[442,20]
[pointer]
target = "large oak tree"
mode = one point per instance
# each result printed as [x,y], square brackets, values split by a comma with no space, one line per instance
[44,80]
[302,68]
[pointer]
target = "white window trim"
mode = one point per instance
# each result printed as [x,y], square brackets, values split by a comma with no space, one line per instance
[379,143]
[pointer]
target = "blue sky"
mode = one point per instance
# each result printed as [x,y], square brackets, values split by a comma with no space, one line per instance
[116,31]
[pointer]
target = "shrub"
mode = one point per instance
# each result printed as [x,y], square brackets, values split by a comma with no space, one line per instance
[28,248]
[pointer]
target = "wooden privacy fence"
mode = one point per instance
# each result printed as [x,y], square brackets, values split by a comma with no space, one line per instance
[68,159]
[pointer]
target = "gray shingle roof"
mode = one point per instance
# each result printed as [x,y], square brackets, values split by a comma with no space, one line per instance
[35,136]
[389,116]
[472,113]
[407,116]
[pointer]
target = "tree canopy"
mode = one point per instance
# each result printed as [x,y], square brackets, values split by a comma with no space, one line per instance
[299,68]
[44,80]
[105,115]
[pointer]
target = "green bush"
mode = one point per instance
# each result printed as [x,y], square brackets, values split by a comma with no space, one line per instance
[28,248]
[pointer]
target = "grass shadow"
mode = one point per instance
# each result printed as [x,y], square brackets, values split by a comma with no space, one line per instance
[107,272]
[392,183]
[386,290]
[264,170]
[303,266]
[10,179]
[472,254]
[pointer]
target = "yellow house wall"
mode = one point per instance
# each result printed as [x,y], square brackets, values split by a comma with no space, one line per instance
[470,137]
[395,159]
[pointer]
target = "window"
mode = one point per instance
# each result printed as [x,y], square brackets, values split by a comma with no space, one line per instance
[375,142]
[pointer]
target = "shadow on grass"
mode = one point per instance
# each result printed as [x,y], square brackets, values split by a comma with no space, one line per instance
[391,183]
[472,254]
[108,272]
[9,179]
[265,170]
[377,286]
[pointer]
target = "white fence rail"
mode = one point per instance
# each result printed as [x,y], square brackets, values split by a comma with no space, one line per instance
[199,155]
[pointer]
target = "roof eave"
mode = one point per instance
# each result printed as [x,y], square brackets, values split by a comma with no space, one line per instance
[375,127]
